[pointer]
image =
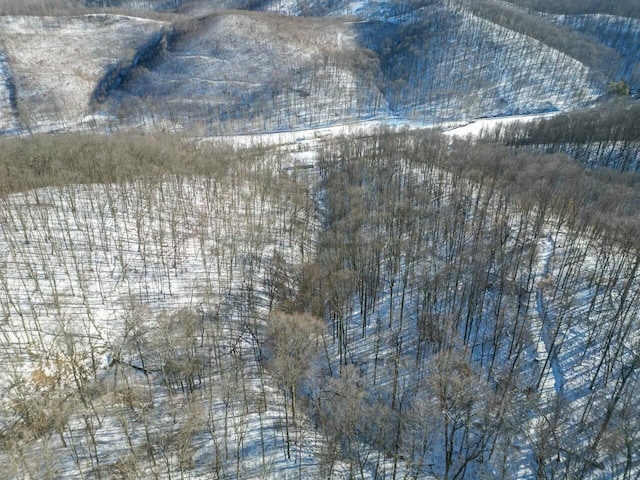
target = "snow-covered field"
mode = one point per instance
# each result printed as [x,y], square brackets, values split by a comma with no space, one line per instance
[487,126]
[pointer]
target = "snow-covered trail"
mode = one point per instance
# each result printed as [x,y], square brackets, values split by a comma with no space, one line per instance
[308,138]
[551,379]
[488,125]
[546,371]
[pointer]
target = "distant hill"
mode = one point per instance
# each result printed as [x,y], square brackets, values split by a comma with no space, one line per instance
[269,71]
[629,8]
[56,63]
[241,65]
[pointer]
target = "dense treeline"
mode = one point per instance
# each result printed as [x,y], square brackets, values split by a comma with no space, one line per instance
[603,200]
[628,8]
[44,160]
[605,136]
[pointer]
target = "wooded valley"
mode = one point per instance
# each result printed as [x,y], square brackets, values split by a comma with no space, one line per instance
[293,239]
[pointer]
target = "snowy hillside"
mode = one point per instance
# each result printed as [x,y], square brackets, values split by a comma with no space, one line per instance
[620,33]
[461,65]
[58,62]
[254,71]
[387,305]
[92,272]
[272,67]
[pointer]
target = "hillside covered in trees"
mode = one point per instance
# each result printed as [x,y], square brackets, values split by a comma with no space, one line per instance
[396,308]
[242,239]
[225,67]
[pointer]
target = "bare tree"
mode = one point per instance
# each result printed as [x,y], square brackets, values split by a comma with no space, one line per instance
[292,341]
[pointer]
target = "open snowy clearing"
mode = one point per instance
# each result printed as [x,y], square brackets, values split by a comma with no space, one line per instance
[486,126]
[310,137]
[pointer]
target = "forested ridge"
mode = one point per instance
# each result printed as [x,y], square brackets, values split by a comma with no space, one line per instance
[602,137]
[563,38]
[457,255]
[406,307]
[574,7]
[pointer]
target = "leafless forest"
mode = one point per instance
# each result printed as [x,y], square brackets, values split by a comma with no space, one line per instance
[403,308]
[242,239]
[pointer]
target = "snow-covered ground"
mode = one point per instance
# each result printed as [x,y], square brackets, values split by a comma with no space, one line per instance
[309,139]
[58,62]
[486,126]
[94,275]
[84,267]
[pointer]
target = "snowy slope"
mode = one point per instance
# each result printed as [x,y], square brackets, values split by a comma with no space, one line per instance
[462,66]
[114,295]
[257,71]
[84,267]
[8,114]
[620,33]
[58,62]
[565,319]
